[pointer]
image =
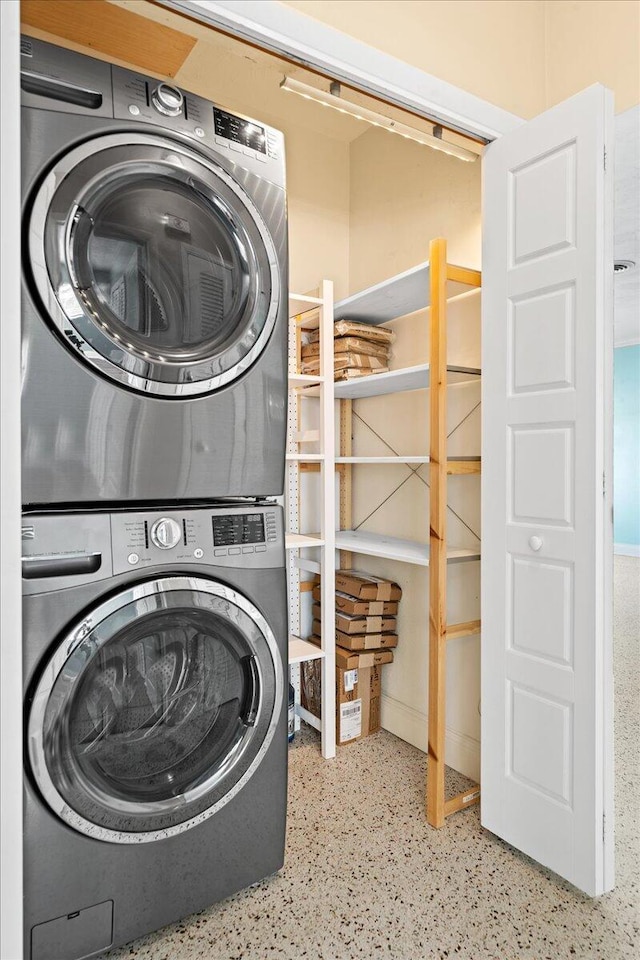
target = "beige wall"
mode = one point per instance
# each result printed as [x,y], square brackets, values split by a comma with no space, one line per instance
[492,48]
[402,195]
[523,55]
[591,41]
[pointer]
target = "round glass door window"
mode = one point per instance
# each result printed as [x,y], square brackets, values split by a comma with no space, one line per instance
[155,710]
[154,264]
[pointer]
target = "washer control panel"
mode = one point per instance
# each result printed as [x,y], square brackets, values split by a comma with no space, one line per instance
[225,536]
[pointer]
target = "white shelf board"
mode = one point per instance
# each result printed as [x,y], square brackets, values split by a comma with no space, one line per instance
[398,381]
[305,457]
[395,297]
[382,459]
[299,303]
[301,650]
[392,548]
[298,541]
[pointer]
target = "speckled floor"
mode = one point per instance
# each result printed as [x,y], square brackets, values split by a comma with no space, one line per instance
[366,877]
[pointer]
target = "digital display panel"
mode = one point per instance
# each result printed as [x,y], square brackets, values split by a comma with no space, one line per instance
[240,131]
[238,528]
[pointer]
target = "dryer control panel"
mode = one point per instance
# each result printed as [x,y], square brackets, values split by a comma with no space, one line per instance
[54,78]
[242,140]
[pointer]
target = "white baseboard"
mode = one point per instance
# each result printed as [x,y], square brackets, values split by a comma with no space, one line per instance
[462,752]
[626,549]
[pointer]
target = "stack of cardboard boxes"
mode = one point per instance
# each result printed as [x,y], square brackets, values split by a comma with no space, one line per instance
[359,350]
[366,615]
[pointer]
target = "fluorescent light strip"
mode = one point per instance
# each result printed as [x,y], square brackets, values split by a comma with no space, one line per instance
[327,99]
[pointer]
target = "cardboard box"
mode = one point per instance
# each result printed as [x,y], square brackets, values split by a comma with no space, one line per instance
[363,586]
[347,660]
[346,623]
[366,641]
[344,361]
[347,345]
[353,328]
[362,641]
[358,691]
[359,608]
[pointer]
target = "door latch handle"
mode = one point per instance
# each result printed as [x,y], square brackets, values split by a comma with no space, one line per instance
[535,543]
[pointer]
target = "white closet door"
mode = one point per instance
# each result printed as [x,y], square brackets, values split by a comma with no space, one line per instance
[547,756]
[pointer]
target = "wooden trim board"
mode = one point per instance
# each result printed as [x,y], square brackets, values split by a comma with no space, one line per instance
[110,31]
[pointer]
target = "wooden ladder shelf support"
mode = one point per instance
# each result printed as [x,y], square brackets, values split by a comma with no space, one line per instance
[462,800]
[439,632]
[457,468]
[472,278]
[457,630]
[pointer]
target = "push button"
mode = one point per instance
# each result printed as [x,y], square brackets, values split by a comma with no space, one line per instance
[234,551]
[219,553]
[247,549]
[261,549]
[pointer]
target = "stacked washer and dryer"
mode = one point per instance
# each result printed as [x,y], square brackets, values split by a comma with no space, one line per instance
[154,418]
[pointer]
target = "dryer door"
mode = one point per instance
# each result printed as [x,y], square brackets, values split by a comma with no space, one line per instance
[154,264]
[155,709]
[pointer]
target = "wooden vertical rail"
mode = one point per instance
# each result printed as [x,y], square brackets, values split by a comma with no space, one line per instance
[437,532]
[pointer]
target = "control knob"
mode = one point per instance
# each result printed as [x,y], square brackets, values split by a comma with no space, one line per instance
[166,533]
[167,100]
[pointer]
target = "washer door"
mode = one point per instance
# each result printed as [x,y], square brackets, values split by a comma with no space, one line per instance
[154,264]
[155,710]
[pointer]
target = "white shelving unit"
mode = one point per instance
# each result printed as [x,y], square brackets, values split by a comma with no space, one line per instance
[430,284]
[312,554]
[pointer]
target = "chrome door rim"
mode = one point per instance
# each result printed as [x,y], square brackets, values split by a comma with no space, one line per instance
[59,659]
[80,333]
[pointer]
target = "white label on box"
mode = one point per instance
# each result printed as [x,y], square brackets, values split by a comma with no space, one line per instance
[350,680]
[350,720]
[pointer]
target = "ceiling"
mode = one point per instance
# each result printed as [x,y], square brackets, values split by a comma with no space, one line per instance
[627,226]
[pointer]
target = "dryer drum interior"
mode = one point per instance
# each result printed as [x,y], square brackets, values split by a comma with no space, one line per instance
[155,710]
[157,261]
